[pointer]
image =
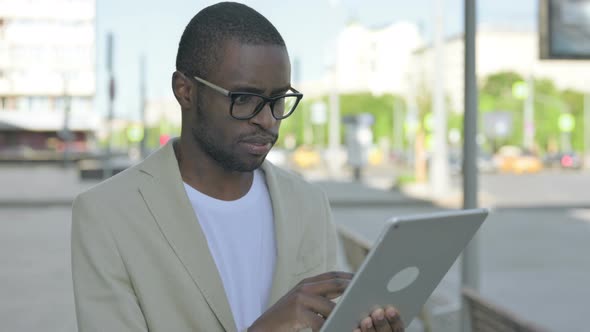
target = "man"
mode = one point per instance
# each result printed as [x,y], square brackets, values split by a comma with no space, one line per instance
[204,235]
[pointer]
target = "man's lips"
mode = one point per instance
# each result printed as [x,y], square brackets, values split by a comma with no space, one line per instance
[258,145]
[257,148]
[258,140]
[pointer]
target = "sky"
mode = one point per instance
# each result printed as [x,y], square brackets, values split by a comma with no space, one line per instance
[153,28]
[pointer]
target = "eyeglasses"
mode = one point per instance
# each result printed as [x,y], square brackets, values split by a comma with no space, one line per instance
[245,105]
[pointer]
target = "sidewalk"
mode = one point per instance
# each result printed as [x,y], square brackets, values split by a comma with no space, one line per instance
[378,180]
[342,193]
[452,200]
[40,185]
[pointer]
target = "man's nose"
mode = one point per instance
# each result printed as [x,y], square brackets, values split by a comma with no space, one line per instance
[264,118]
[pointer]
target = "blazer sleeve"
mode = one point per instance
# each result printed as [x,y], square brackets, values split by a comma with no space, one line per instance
[103,293]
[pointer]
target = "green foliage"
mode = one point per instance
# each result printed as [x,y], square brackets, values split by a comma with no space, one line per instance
[119,138]
[294,125]
[404,179]
[495,95]
[381,107]
[550,103]
[500,84]
[575,101]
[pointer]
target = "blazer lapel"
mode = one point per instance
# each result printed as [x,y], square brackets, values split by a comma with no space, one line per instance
[286,235]
[166,198]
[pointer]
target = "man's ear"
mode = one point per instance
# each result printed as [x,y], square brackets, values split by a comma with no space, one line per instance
[182,89]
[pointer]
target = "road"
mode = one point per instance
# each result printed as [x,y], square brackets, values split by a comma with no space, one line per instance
[548,188]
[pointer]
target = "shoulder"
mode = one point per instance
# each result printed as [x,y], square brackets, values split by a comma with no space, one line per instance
[114,189]
[124,186]
[295,186]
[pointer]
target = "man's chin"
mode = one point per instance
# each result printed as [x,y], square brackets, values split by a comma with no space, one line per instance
[246,164]
[251,167]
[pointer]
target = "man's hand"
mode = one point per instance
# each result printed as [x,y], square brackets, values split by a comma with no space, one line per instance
[309,303]
[306,306]
[382,320]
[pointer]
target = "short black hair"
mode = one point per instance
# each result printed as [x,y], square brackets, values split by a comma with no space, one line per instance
[202,39]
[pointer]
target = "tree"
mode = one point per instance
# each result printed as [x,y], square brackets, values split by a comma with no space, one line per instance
[575,101]
[496,95]
[381,107]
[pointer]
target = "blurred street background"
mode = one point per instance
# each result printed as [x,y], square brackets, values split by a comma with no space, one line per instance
[382,128]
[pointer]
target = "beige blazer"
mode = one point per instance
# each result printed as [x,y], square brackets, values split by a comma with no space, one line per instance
[140,260]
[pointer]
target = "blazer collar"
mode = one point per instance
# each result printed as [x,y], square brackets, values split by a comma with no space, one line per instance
[166,198]
[287,232]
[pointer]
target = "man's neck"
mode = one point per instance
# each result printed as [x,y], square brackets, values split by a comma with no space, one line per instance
[204,174]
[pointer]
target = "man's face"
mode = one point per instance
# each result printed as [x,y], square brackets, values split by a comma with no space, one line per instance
[240,145]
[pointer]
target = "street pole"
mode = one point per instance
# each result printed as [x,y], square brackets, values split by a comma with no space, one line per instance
[66,135]
[586,152]
[107,163]
[529,115]
[470,256]
[142,105]
[439,166]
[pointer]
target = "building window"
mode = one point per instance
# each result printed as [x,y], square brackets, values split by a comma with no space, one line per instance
[23,104]
[9,103]
[39,104]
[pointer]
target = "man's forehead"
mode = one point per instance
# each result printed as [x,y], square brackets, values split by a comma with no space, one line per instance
[235,52]
[260,65]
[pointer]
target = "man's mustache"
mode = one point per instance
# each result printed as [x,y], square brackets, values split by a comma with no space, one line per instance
[260,137]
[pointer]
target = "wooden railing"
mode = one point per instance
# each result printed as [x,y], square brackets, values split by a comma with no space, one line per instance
[355,250]
[487,317]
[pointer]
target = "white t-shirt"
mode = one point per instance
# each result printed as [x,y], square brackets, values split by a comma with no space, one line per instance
[240,235]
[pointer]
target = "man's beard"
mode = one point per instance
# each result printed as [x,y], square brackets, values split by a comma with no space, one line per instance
[225,156]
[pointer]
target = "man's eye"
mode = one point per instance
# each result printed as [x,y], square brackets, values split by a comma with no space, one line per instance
[243,99]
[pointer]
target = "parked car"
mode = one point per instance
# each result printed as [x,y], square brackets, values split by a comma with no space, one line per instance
[564,160]
[512,159]
[485,163]
[306,157]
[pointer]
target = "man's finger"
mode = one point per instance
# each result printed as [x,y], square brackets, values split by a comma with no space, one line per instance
[317,304]
[330,288]
[313,321]
[394,319]
[328,276]
[367,325]
[379,321]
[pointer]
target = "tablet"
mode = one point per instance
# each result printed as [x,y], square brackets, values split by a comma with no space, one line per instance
[405,265]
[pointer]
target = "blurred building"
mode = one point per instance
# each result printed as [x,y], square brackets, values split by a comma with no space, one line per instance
[497,50]
[47,74]
[367,59]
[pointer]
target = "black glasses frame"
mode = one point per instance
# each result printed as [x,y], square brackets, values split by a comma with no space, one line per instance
[233,95]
